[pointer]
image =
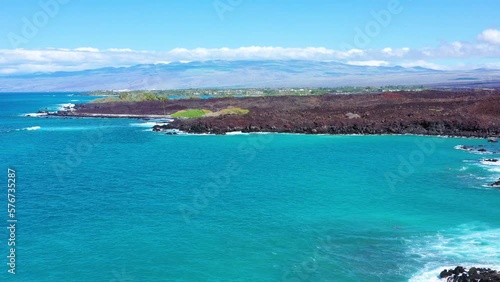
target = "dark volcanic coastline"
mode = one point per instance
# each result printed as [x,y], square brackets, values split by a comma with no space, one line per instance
[454,113]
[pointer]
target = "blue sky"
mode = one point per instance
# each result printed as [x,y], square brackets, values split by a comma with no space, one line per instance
[161,26]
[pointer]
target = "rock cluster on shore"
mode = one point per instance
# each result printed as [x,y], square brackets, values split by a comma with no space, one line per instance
[460,274]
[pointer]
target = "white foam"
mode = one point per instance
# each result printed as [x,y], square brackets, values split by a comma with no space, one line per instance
[175,132]
[34,114]
[432,275]
[66,107]
[162,120]
[236,133]
[490,166]
[489,162]
[31,128]
[144,124]
[472,150]
[148,124]
[466,246]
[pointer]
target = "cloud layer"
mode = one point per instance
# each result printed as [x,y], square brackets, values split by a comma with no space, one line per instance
[486,49]
[490,36]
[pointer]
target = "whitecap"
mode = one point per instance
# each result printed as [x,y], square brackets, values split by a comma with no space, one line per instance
[490,162]
[31,128]
[162,120]
[474,150]
[66,107]
[143,124]
[467,246]
[236,133]
[490,166]
[148,124]
[461,147]
[34,114]
[431,274]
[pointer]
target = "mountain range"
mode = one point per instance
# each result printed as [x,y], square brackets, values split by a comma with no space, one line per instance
[245,74]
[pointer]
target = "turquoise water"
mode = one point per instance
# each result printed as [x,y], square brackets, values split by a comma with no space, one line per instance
[109,200]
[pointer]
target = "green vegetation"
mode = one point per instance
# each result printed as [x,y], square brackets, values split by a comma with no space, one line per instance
[132,97]
[197,113]
[158,95]
[109,99]
[191,113]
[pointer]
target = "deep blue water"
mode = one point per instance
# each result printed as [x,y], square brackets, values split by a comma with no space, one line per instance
[109,200]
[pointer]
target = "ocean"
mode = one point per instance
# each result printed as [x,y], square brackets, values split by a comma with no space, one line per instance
[110,200]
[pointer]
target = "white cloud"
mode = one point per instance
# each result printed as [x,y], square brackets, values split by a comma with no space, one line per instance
[372,63]
[120,50]
[424,64]
[395,52]
[87,49]
[49,60]
[491,36]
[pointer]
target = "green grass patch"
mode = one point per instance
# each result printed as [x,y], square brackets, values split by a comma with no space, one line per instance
[198,113]
[191,113]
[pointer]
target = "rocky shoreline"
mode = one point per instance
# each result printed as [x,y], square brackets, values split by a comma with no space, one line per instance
[452,113]
[460,274]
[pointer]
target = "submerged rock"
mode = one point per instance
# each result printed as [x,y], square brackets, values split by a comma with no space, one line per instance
[480,149]
[495,184]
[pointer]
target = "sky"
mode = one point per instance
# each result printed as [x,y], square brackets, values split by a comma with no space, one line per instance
[54,35]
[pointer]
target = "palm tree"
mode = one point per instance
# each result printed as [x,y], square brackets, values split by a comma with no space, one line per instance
[163,100]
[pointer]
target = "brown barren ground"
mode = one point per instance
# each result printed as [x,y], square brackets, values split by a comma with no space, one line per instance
[455,113]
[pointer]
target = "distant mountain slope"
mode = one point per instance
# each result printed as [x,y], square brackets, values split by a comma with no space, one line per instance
[234,74]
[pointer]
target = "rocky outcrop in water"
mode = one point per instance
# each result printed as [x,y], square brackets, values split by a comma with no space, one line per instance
[460,274]
[481,149]
[495,184]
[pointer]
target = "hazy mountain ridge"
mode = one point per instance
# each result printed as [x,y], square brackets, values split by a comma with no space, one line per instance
[225,74]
